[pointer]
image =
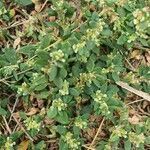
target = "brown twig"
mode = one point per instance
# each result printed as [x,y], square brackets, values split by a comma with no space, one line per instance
[5,82]
[7,126]
[142,111]
[43,5]
[15,128]
[88,147]
[97,133]
[131,66]
[21,126]
[15,25]
[15,104]
[136,101]
[140,47]
[142,94]
[23,129]
[2,126]
[51,141]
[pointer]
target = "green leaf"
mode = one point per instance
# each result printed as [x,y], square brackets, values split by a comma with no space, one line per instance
[3,61]
[45,41]
[101,145]
[15,75]
[112,89]
[43,95]
[10,55]
[22,115]
[74,92]
[24,2]
[63,145]
[144,71]
[62,72]
[103,88]
[90,65]
[121,11]
[90,45]
[147,140]
[106,32]
[76,131]
[110,2]
[62,117]
[3,112]
[39,83]
[61,129]
[40,146]
[76,69]
[4,102]
[52,73]
[97,83]
[52,112]
[115,76]
[143,42]
[2,140]
[28,50]
[40,86]
[121,40]
[58,82]
[16,135]
[43,58]
[44,55]
[127,145]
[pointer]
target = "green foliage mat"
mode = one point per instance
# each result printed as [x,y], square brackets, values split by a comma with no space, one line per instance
[59,64]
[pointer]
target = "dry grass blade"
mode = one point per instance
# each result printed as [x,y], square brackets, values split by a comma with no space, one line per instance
[15,24]
[88,147]
[136,101]
[43,5]
[15,104]
[23,129]
[20,125]
[7,126]
[142,94]
[96,135]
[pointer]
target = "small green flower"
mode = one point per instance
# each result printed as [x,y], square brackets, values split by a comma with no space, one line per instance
[30,63]
[118,131]
[118,25]
[72,142]
[105,71]
[57,56]
[99,96]
[132,38]
[104,108]
[86,78]
[9,144]
[137,139]
[142,17]
[132,78]
[108,147]
[65,88]
[8,70]
[80,123]
[79,46]
[23,90]
[59,104]
[30,124]
[58,5]
[35,75]
[101,99]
